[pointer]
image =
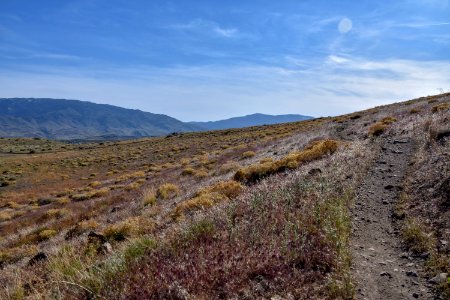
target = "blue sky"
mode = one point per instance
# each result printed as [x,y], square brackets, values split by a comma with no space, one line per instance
[208,60]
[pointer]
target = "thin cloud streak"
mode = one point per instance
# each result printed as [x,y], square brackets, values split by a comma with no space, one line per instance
[206,26]
[337,85]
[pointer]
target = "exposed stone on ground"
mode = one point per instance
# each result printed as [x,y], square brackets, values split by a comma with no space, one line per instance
[39,257]
[379,262]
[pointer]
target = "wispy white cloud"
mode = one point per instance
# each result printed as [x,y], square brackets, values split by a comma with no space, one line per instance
[421,24]
[58,56]
[226,32]
[319,25]
[20,53]
[337,59]
[336,85]
[209,27]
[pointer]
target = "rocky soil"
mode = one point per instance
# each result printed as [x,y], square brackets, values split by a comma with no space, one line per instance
[382,270]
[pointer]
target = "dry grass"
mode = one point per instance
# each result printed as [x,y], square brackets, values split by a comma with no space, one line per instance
[229,166]
[57,213]
[8,256]
[149,197]
[188,171]
[128,228]
[207,197]
[167,191]
[228,248]
[440,107]
[380,127]
[289,233]
[415,238]
[377,129]
[119,232]
[248,154]
[315,150]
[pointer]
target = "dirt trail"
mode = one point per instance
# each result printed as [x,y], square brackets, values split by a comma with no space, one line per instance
[381,268]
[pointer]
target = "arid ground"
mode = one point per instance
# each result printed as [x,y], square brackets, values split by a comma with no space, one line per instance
[355,206]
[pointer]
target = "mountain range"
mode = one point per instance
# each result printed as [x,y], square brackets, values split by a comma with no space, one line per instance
[73,119]
[250,120]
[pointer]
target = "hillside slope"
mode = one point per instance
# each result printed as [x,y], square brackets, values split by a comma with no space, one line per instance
[250,120]
[73,119]
[355,206]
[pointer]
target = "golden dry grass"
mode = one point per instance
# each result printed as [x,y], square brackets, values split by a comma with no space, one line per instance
[440,107]
[167,191]
[312,152]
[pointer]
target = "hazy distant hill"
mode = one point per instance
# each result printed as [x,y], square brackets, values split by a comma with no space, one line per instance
[250,120]
[73,119]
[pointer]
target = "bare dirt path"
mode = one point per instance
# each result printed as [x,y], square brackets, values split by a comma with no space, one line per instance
[381,268]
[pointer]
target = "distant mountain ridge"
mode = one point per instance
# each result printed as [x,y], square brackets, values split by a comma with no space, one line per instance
[250,120]
[74,119]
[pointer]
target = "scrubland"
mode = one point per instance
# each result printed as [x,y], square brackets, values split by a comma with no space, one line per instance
[259,212]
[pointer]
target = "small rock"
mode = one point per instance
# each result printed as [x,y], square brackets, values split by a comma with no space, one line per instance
[106,248]
[440,278]
[94,237]
[115,208]
[390,187]
[398,215]
[41,256]
[45,201]
[411,274]
[410,265]
[385,202]
[371,249]
[315,171]
[176,291]
[386,274]
[400,142]
[415,295]
[425,255]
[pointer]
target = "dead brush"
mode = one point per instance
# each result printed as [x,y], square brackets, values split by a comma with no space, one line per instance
[81,228]
[380,127]
[229,166]
[37,236]
[248,154]
[56,213]
[377,129]
[415,237]
[315,150]
[440,107]
[208,196]
[133,226]
[167,191]
[13,255]
[149,197]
